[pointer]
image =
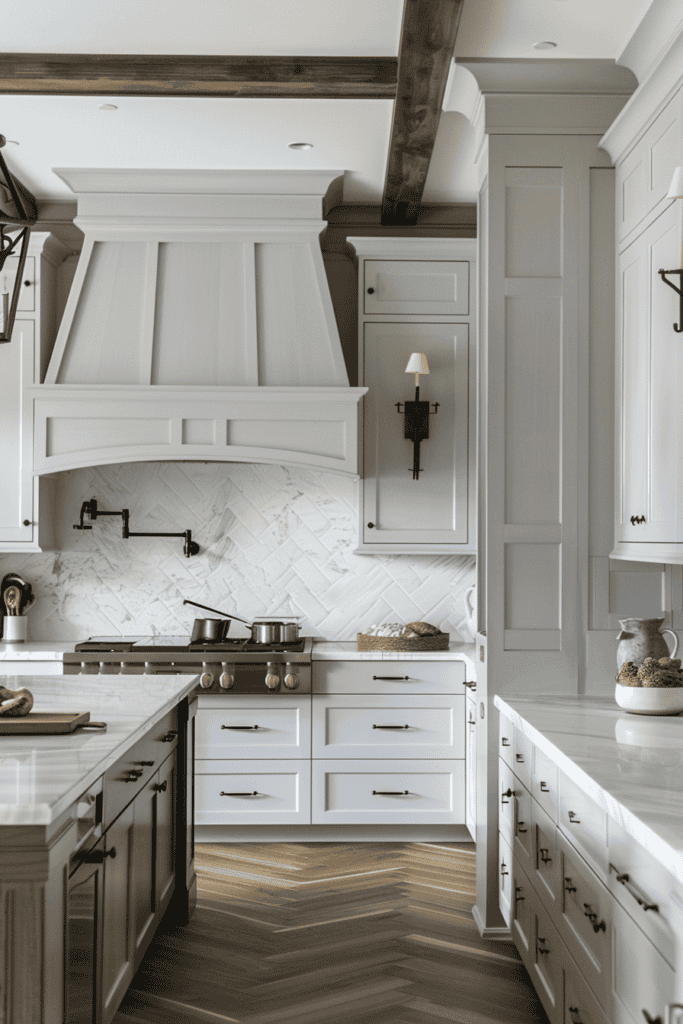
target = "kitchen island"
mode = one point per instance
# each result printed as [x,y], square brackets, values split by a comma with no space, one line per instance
[591,855]
[95,842]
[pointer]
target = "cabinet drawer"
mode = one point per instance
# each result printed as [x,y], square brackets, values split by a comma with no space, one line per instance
[505,732]
[374,792]
[504,878]
[257,793]
[523,830]
[380,726]
[585,825]
[585,919]
[642,981]
[390,677]
[430,287]
[522,749]
[546,860]
[278,726]
[124,780]
[643,890]
[521,917]
[579,1002]
[544,774]
[546,961]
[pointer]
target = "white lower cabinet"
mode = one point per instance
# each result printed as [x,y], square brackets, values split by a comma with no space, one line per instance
[588,907]
[269,726]
[258,792]
[388,792]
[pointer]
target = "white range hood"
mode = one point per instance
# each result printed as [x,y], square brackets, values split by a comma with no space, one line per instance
[199,326]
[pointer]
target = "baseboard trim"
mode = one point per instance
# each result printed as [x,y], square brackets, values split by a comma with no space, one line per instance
[332,834]
[499,934]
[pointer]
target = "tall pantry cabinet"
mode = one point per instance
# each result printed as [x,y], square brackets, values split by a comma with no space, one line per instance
[23,360]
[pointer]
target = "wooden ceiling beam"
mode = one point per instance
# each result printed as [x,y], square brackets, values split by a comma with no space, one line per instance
[428,35]
[69,74]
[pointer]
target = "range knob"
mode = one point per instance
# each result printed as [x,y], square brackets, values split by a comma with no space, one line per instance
[206,678]
[272,676]
[291,679]
[226,679]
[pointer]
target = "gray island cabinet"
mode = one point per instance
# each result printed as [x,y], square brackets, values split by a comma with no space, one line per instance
[96,843]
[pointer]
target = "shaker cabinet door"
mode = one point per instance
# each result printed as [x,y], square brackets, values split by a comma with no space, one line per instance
[422,287]
[16,482]
[434,508]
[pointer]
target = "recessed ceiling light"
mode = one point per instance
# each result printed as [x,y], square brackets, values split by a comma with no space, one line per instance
[300,145]
[107,106]
[545,45]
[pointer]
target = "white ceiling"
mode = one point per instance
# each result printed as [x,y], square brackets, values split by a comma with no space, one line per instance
[71,131]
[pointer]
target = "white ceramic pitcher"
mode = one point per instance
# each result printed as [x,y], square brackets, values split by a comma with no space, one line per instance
[642,638]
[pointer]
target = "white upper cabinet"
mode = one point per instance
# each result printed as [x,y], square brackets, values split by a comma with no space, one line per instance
[22,363]
[649,352]
[417,295]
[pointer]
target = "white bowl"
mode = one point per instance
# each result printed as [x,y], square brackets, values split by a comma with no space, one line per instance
[649,700]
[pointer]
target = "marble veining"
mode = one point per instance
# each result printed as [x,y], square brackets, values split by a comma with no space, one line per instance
[52,650]
[41,775]
[273,540]
[338,650]
[629,768]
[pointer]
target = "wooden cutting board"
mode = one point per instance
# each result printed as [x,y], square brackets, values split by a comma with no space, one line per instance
[44,722]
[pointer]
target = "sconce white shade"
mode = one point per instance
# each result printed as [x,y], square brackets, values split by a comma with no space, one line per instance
[676,186]
[417,363]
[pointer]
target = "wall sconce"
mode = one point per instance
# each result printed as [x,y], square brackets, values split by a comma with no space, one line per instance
[18,214]
[417,413]
[676,192]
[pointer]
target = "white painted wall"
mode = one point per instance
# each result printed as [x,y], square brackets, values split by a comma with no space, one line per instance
[269,535]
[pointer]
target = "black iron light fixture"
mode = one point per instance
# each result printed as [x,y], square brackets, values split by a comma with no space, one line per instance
[18,214]
[417,413]
[91,510]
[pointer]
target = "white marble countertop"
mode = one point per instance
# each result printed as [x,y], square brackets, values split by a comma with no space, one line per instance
[631,765]
[40,776]
[49,650]
[345,650]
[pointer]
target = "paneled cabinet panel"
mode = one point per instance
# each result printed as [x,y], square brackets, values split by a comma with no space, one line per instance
[417,295]
[394,677]
[118,942]
[246,726]
[253,792]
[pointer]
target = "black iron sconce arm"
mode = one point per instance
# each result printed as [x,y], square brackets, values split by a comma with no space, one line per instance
[417,415]
[679,291]
[90,509]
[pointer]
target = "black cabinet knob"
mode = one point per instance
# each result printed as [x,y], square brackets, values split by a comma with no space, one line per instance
[27,522]
[27,284]
[371,526]
[371,291]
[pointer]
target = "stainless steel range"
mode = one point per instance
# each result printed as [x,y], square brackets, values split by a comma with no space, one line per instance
[232,666]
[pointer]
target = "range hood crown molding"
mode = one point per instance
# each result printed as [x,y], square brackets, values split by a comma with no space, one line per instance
[199,325]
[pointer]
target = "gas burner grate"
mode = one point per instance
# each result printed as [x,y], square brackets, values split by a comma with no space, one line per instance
[248,646]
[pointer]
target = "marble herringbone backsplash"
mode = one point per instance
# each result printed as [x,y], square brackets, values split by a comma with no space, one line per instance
[273,540]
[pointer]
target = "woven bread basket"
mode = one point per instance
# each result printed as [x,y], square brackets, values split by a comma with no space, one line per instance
[435,642]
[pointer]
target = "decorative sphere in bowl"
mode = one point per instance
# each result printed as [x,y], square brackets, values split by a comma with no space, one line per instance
[649,700]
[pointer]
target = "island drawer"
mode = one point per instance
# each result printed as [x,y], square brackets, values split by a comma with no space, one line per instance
[585,824]
[390,677]
[370,726]
[388,792]
[246,726]
[505,734]
[125,779]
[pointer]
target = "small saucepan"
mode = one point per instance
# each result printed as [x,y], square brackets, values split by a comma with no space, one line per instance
[209,630]
[273,632]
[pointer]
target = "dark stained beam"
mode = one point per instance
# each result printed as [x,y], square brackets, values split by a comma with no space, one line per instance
[72,74]
[428,36]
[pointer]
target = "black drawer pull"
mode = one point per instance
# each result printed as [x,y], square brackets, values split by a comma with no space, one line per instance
[98,856]
[542,951]
[628,885]
[508,792]
[146,764]
[133,775]
[505,742]
[161,787]
[255,793]
[545,788]
[651,1020]
[171,735]
[519,827]
[569,888]
[390,678]
[634,522]
[503,865]
[573,819]
[573,1010]
[390,792]
[519,758]
[472,686]
[518,899]
[544,855]
[391,727]
[588,912]
[239,727]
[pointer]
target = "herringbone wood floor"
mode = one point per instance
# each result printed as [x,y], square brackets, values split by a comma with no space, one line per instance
[332,933]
